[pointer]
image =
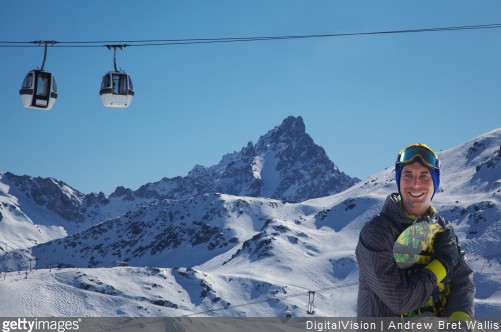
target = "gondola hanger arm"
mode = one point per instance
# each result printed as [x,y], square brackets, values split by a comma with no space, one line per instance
[114,47]
[45,43]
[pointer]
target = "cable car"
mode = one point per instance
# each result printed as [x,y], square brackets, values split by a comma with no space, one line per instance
[116,89]
[39,90]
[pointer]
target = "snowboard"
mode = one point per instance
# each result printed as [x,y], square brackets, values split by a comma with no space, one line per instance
[415,244]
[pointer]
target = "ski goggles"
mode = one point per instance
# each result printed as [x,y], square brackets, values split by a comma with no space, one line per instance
[409,154]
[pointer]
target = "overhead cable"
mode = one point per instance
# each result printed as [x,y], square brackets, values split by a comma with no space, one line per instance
[191,41]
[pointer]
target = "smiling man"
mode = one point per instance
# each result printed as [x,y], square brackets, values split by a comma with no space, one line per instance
[440,284]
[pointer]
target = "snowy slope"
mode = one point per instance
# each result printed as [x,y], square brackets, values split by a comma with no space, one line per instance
[280,250]
[225,255]
[17,229]
[38,210]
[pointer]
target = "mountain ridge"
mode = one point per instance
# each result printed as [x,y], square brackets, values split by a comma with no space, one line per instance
[284,164]
[216,254]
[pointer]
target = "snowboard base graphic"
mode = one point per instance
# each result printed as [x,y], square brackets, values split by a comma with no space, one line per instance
[415,244]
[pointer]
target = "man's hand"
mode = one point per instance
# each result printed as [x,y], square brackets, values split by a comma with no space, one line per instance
[446,249]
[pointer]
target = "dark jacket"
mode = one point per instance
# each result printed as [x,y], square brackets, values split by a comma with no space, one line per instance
[384,289]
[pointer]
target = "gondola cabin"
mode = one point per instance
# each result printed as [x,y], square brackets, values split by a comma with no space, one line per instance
[39,90]
[116,89]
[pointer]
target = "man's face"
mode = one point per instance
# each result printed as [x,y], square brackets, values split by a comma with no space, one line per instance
[416,187]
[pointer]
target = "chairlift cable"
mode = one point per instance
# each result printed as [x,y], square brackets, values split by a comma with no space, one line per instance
[188,41]
[277,298]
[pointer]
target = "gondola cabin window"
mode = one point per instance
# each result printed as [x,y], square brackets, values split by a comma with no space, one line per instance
[43,86]
[28,81]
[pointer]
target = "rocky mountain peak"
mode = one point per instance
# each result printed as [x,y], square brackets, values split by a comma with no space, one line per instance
[292,129]
[56,195]
[293,126]
[284,164]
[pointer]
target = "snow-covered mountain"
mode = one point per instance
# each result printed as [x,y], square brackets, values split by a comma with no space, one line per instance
[221,254]
[33,215]
[284,164]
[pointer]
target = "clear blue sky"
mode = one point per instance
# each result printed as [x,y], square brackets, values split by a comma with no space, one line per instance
[362,98]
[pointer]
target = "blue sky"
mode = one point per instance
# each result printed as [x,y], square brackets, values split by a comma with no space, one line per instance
[362,98]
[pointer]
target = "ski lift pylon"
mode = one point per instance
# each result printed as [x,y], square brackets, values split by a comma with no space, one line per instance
[310,310]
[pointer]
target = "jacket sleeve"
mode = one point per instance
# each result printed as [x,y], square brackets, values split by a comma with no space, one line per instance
[463,291]
[379,270]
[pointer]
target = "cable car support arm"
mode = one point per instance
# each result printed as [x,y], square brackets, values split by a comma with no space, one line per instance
[45,43]
[114,47]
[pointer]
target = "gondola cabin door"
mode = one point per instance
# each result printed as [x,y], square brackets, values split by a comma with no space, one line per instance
[39,90]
